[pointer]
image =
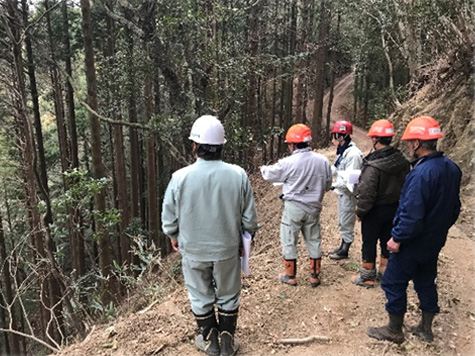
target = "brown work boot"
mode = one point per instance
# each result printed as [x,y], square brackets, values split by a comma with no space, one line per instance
[288,277]
[367,275]
[424,329]
[315,265]
[391,332]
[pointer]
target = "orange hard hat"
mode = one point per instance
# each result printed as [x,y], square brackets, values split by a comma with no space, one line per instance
[422,128]
[381,128]
[342,127]
[298,133]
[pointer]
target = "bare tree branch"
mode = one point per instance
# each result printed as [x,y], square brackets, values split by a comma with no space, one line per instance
[172,148]
[304,340]
[130,25]
[125,4]
[33,24]
[32,337]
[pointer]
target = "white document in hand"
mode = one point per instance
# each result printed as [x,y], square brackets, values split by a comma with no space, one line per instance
[246,242]
[354,176]
[350,177]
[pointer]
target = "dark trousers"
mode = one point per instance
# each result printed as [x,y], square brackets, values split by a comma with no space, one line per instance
[377,225]
[403,266]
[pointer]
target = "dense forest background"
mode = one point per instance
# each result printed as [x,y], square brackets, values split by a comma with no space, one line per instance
[97,100]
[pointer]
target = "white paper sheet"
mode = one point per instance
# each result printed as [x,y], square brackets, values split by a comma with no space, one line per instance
[246,242]
[351,178]
[354,176]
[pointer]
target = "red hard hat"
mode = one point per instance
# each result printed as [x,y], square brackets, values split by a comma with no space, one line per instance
[342,127]
[381,128]
[298,133]
[422,128]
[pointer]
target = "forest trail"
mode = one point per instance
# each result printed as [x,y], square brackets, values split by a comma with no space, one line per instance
[341,109]
[271,311]
[342,98]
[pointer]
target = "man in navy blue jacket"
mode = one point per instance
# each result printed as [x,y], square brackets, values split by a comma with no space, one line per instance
[428,207]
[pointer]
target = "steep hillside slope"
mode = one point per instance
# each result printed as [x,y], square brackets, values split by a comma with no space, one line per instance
[337,312]
[272,312]
[449,97]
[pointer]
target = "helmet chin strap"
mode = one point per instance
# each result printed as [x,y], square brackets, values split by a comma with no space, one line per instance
[414,154]
[343,140]
[374,145]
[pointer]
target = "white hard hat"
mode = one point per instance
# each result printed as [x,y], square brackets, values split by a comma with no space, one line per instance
[208,130]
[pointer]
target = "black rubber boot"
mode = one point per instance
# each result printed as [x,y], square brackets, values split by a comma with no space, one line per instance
[424,329]
[227,328]
[207,340]
[336,250]
[391,332]
[342,253]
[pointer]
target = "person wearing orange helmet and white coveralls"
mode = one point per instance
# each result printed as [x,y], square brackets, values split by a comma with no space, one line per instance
[349,160]
[206,208]
[377,198]
[429,205]
[306,176]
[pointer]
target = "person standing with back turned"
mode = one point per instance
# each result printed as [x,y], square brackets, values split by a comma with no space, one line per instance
[377,198]
[306,176]
[428,207]
[206,208]
[349,159]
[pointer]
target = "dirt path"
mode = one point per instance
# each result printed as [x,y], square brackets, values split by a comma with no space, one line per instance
[338,310]
[271,311]
[342,108]
[342,99]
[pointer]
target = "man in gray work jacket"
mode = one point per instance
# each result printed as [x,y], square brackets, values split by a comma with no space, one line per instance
[306,176]
[206,208]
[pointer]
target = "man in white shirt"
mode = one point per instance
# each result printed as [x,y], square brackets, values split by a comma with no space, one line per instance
[349,159]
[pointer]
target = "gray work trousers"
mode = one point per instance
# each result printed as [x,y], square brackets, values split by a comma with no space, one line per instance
[295,220]
[215,282]
[346,217]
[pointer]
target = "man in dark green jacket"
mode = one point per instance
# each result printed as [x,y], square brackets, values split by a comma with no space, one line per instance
[378,191]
